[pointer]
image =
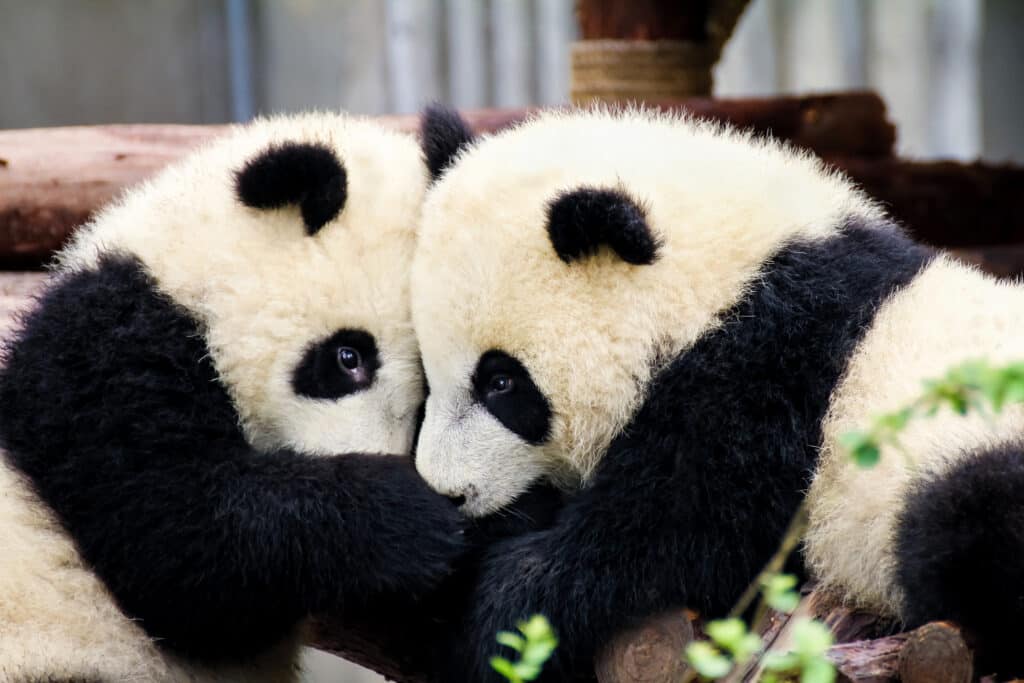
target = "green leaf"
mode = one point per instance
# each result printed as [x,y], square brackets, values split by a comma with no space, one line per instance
[527,671]
[748,646]
[777,661]
[780,583]
[707,660]
[818,670]
[512,640]
[779,592]
[539,652]
[854,439]
[1015,391]
[505,668]
[727,632]
[867,455]
[536,627]
[811,637]
[784,602]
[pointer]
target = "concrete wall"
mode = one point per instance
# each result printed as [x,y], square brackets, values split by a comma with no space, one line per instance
[948,68]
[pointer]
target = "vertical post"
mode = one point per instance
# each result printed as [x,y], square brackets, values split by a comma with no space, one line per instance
[649,49]
[239,29]
[513,52]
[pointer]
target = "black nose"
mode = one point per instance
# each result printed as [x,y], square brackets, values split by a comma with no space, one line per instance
[457,501]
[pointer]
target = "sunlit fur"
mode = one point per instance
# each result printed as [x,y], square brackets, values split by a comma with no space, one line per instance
[218,258]
[592,334]
[263,291]
[950,314]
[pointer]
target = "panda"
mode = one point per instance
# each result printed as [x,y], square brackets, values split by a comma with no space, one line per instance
[192,414]
[673,323]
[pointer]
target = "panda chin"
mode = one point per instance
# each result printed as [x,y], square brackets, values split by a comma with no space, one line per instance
[535,509]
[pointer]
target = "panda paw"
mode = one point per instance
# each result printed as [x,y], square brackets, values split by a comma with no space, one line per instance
[516,580]
[405,538]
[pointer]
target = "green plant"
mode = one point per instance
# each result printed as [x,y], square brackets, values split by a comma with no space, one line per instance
[965,387]
[535,646]
[807,662]
[732,644]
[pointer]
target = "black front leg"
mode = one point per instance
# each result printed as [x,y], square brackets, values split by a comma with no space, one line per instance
[112,409]
[650,534]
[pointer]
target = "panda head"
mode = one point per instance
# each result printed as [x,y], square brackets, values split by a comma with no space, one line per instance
[562,263]
[289,242]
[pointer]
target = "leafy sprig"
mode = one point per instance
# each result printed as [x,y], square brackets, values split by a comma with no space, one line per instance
[731,644]
[535,645]
[974,385]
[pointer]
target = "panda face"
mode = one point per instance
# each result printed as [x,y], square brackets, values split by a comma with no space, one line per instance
[562,263]
[292,252]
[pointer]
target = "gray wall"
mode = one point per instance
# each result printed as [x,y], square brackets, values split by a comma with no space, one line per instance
[949,69]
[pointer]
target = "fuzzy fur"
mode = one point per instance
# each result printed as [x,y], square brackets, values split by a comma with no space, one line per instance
[586,218]
[681,497]
[591,333]
[309,175]
[694,399]
[958,545]
[949,314]
[443,134]
[172,508]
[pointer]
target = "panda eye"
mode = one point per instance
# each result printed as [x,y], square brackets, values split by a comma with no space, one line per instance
[348,358]
[501,384]
[342,364]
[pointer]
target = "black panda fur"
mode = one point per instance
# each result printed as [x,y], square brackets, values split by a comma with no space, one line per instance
[111,406]
[681,499]
[117,421]
[730,434]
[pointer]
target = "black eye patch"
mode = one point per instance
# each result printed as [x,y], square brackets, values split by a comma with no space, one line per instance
[302,173]
[503,385]
[342,364]
[581,220]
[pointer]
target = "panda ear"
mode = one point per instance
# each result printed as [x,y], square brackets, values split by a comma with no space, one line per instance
[302,173]
[443,134]
[581,220]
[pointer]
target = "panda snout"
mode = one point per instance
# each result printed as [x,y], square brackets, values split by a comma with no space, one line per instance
[460,498]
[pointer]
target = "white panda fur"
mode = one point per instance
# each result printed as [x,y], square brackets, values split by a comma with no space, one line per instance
[595,335]
[261,291]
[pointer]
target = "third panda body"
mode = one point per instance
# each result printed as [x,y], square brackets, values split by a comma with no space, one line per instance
[675,323]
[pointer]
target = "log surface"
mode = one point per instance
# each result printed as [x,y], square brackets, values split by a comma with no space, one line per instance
[54,179]
[651,652]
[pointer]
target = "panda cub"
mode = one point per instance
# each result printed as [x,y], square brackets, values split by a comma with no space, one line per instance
[184,416]
[675,323]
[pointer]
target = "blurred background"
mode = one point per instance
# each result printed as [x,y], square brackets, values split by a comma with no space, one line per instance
[949,70]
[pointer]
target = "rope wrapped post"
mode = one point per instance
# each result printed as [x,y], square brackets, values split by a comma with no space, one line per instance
[648,49]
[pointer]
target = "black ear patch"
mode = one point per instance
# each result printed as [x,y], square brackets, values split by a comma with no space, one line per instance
[302,173]
[443,134]
[581,220]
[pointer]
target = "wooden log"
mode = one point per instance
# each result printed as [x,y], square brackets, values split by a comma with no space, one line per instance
[52,180]
[391,650]
[869,661]
[651,652]
[16,290]
[936,653]
[945,203]
[643,19]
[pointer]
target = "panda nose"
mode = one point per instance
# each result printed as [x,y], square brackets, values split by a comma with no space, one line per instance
[460,497]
